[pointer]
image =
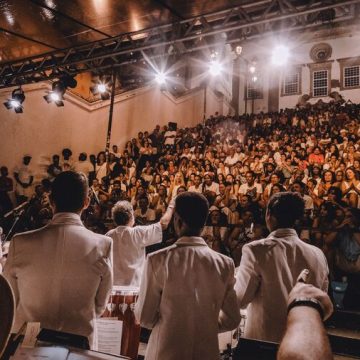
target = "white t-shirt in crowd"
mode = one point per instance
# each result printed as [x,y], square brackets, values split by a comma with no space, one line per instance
[253,190]
[193,188]
[170,137]
[232,160]
[149,215]
[214,187]
[84,167]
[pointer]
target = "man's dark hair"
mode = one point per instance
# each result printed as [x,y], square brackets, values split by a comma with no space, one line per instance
[300,183]
[82,156]
[193,209]
[286,208]
[66,153]
[69,191]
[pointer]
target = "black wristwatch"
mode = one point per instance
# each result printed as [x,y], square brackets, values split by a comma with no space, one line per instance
[309,302]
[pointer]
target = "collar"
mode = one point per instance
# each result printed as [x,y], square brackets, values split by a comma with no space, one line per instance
[190,241]
[283,232]
[67,218]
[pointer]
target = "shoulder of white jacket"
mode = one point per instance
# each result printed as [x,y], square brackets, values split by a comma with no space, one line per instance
[30,233]
[110,233]
[223,257]
[106,237]
[162,252]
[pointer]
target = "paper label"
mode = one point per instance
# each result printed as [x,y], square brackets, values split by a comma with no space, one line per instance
[108,335]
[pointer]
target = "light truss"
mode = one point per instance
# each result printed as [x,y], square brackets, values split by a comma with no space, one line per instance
[232,25]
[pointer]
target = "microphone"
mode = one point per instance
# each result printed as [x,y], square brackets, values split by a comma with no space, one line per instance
[18,208]
[94,196]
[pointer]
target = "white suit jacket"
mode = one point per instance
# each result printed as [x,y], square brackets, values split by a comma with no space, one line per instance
[129,251]
[268,271]
[61,275]
[186,297]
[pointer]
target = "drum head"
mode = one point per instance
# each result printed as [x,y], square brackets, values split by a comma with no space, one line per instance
[7,312]
[126,290]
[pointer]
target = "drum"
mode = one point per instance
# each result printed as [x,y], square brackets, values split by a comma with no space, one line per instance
[121,305]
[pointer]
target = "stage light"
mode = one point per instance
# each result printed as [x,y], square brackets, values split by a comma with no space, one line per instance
[252,69]
[238,50]
[101,88]
[280,55]
[57,94]
[215,68]
[15,103]
[160,78]
[254,79]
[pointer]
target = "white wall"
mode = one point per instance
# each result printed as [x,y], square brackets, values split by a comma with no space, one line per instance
[44,129]
[342,47]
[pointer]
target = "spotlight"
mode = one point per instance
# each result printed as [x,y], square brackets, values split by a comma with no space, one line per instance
[101,88]
[252,69]
[215,68]
[238,50]
[280,55]
[55,97]
[57,94]
[254,79]
[15,103]
[160,78]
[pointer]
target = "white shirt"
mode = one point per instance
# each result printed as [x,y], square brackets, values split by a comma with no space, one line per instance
[101,171]
[24,172]
[84,167]
[309,203]
[129,251]
[214,187]
[231,160]
[193,188]
[250,190]
[170,137]
[149,215]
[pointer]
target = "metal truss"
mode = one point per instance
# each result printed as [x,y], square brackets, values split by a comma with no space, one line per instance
[257,18]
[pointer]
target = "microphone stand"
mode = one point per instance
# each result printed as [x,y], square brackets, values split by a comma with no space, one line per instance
[18,213]
[17,216]
[93,199]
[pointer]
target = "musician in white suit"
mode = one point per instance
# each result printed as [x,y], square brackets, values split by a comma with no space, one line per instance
[61,274]
[269,269]
[129,242]
[187,291]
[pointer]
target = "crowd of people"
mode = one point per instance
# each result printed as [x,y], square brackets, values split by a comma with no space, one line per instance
[238,164]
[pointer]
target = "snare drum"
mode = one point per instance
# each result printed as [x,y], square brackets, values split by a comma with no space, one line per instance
[121,305]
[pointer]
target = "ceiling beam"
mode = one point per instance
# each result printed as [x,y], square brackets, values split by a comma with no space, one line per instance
[28,38]
[238,23]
